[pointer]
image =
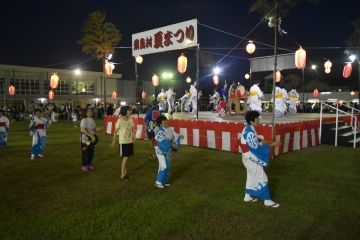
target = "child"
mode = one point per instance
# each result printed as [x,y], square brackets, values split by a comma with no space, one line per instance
[150,124]
[74,118]
[255,156]
[221,108]
[168,141]
[125,127]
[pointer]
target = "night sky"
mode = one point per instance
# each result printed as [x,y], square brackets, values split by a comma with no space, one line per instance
[44,34]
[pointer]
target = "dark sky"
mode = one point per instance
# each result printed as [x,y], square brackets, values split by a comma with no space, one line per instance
[44,33]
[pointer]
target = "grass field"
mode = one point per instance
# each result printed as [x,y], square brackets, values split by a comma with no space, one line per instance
[318,190]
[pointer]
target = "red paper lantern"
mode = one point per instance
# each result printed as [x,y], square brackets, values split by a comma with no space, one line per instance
[347,70]
[143,95]
[108,68]
[51,95]
[54,81]
[182,63]
[11,90]
[316,92]
[216,80]
[113,95]
[277,76]
[250,48]
[155,80]
[139,59]
[300,58]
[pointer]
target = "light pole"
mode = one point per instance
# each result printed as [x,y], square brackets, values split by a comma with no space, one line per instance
[353,58]
[77,72]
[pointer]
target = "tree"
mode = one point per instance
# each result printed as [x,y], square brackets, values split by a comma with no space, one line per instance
[99,39]
[353,44]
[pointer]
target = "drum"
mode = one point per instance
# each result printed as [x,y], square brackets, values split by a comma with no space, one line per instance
[241,91]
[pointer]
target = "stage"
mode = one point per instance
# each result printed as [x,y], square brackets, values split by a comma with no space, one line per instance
[222,133]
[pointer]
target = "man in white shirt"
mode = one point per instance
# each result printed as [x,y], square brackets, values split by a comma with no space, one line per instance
[255,95]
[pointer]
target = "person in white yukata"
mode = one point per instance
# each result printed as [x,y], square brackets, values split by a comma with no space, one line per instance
[193,99]
[280,101]
[255,95]
[168,141]
[38,127]
[255,156]
[161,98]
[4,128]
[185,100]
[293,96]
[170,95]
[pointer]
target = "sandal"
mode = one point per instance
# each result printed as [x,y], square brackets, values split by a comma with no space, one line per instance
[128,175]
[124,178]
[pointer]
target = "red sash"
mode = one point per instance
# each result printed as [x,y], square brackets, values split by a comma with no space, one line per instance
[2,124]
[244,148]
[39,126]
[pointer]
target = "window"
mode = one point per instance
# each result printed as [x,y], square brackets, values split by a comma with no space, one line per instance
[2,86]
[26,86]
[61,90]
[88,87]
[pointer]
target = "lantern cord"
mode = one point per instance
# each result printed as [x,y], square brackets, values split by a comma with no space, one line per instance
[247,34]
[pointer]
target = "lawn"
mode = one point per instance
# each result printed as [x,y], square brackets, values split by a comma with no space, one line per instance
[318,190]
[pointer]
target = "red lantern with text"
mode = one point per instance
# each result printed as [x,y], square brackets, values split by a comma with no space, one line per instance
[277,76]
[11,90]
[300,58]
[108,68]
[155,80]
[139,59]
[54,81]
[347,70]
[316,93]
[143,95]
[250,48]
[113,95]
[51,95]
[182,63]
[216,80]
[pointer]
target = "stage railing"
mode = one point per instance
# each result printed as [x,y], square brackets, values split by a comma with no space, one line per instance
[337,121]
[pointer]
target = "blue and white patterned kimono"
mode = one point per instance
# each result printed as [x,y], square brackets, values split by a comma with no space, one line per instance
[38,132]
[4,129]
[166,137]
[255,157]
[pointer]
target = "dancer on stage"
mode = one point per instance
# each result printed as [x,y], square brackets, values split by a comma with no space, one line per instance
[221,108]
[255,156]
[193,99]
[280,101]
[255,95]
[293,96]
[4,128]
[168,141]
[215,98]
[170,95]
[38,127]
[185,100]
[162,100]
[224,92]
[150,124]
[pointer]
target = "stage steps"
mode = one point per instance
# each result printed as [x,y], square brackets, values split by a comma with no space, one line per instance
[345,135]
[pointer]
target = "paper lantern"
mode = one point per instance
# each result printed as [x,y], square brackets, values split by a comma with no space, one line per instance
[300,58]
[247,76]
[112,66]
[216,80]
[139,59]
[328,64]
[352,93]
[54,81]
[155,80]
[250,48]
[327,70]
[143,95]
[188,80]
[347,70]
[107,67]
[51,95]
[182,63]
[83,90]
[277,76]
[11,90]
[316,92]
[113,95]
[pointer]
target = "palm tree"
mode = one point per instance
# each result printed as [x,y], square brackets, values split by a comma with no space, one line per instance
[353,44]
[99,39]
